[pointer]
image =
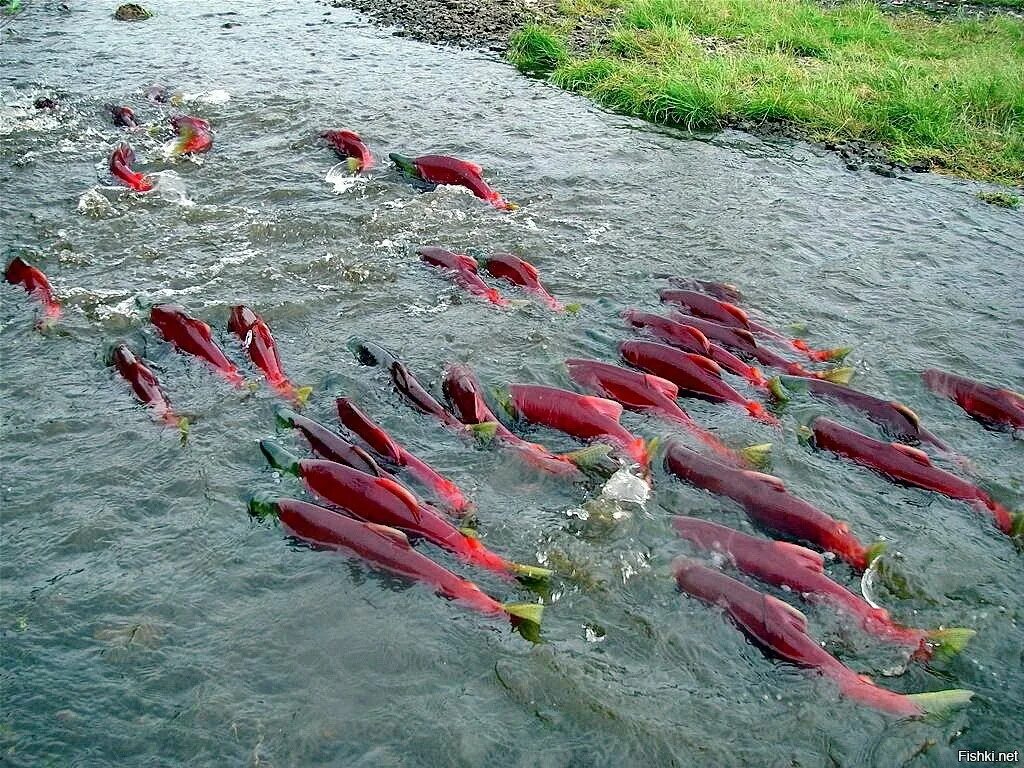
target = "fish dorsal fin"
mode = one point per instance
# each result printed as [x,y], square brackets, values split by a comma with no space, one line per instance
[529,268]
[736,312]
[391,533]
[809,559]
[349,134]
[664,386]
[913,453]
[745,335]
[795,618]
[474,167]
[465,261]
[912,417]
[605,407]
[761,477]
[403,493]
[707,364]
[698,338]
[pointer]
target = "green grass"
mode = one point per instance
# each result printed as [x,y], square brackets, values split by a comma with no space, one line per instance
[1001,199]
[948,94]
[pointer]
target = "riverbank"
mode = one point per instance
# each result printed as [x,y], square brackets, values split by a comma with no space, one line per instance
[891,92]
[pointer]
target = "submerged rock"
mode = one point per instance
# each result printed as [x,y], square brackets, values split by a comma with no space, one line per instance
[131,12]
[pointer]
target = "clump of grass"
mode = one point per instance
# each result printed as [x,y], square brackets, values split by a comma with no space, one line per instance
[1001,199]
[537,50]
[944,94]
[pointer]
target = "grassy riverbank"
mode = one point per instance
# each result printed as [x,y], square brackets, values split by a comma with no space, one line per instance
[947,95]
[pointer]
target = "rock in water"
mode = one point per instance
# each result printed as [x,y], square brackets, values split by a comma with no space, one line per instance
[131,12]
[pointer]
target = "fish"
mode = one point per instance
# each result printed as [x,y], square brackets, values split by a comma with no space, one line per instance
[647,393]
[463,269]
[121,161]
[801,571]
[689,339]
[390,451]
[146,387]
[383,501]
[894,417]
[444,169]
[328,444]
[992,406]
[781,629]
[123,117]
[728,314]
[195,337]
[350,148]
[907,465]
[584,417]
[369,353]
[196,135]
[723,291]
[388,549]
[259,345]
[32,279]
[694,375]
[768,502]
[45,102]
[744,342]
[508,266]
[464,392]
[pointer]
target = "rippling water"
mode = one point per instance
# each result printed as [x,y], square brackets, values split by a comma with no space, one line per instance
[146,621]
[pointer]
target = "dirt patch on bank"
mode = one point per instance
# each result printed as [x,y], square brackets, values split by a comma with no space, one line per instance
[484,24]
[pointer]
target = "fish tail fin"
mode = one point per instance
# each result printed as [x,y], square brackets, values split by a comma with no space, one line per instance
[354,164]
[950,641]
[873,552]
[1017,525]
[279,458]
[184,427]
[757,455]
[484,431]
[301,395]
[778,390]
[941,702]
[525,619]
[573,309]
[529,573]
[838,375]
[822,355]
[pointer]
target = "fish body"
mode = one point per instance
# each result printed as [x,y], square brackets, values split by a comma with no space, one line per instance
[388,549]
[32,279]
[907,465]
[328,444]
[144,384]
[196,134]
[463,269]
[121,161]
[769,503]
[694,375]
[982,402]
[894,417]
[259,344]
[723,291]
[690,339]
[507,266]
[383,501]
[357,422]
[444,169]
[349,146]
[781,630]
[800,570]
[194,337]
[585,417]
[463,390]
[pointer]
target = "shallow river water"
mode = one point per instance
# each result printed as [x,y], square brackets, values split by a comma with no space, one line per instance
[146,621]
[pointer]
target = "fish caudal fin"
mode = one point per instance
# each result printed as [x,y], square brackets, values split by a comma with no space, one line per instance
[526,619]
[838,375]
[757,455]
[279,458]
[354,164]
[484,431]
[873,552]
[941,702]
[529,573]
[950,641]
[778,390]
[301,395]
[1017,525]
[183,428]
